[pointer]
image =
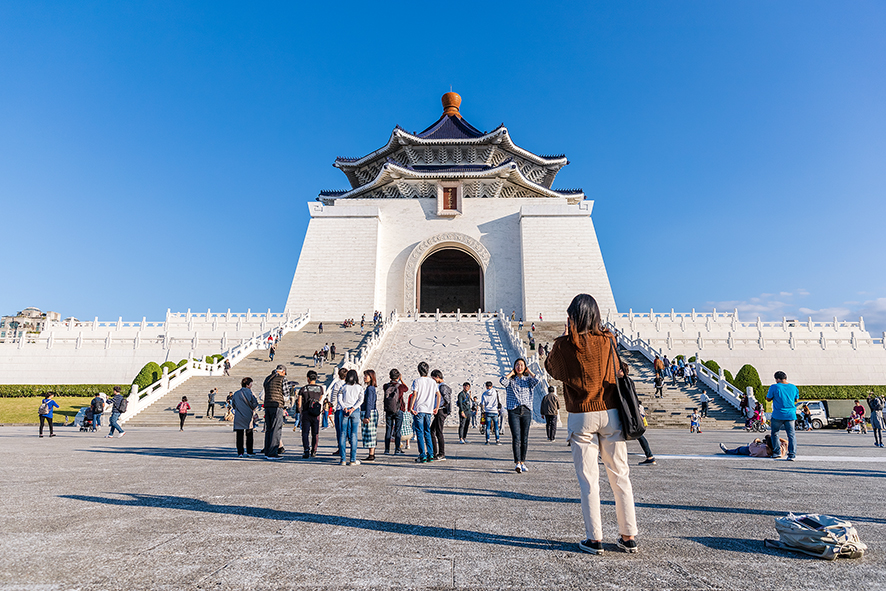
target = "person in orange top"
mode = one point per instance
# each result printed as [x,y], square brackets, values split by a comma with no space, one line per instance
[583,360]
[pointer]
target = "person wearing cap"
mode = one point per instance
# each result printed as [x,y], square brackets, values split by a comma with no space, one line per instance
[273,394]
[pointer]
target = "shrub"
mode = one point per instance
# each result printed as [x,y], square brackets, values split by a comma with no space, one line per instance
[149,374]
[712,365]
[169,365]
[692,359]
[728,375]
[678,357]
[839,392]
[82,390]
[748,376]
[182,362]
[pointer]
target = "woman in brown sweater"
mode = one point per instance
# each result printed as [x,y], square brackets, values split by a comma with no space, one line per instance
[583,360]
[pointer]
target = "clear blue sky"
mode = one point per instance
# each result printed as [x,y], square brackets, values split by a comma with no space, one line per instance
[162,155]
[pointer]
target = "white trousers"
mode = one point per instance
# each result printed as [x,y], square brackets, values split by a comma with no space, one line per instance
[590,433]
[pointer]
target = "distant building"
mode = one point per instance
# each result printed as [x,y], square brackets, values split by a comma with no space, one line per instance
[29,320]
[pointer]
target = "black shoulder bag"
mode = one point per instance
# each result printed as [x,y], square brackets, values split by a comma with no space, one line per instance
[628,404]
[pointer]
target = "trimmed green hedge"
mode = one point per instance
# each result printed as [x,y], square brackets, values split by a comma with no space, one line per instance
[712,365]
[82,390]
[839,392]
[748,376]
[692,359]
[729,377]
[214,358]
[182,362]
[169,365]
[149,374]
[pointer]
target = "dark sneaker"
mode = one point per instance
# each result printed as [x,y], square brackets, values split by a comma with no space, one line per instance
[306,455]
[629,546]
[591,547]
[723,448]
[419,460]
[647,462]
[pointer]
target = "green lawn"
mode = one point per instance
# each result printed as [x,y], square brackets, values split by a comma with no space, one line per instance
[24,410]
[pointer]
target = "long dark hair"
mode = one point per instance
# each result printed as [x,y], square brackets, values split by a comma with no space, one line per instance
[371,374]
[585,315]
[352,377]
[525,367]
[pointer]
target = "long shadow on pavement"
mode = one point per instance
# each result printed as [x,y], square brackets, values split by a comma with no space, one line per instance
[444,533]
[506,494]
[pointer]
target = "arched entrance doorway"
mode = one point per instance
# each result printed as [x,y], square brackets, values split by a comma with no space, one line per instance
[449,280]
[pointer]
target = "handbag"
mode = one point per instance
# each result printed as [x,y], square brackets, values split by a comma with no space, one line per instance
[632,423]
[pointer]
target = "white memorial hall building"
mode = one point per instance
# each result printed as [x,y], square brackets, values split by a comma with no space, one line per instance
[451,218]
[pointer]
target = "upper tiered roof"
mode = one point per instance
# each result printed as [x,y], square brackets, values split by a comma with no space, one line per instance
[451,148]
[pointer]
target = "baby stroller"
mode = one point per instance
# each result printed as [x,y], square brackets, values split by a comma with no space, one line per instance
[88,423]
[855,424]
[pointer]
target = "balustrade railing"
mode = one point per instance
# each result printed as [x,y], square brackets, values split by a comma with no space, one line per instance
[140,400]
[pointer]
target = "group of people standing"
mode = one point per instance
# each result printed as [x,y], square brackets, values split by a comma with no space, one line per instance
[583,360]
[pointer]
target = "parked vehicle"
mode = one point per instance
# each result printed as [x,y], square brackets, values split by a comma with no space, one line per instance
[831,413]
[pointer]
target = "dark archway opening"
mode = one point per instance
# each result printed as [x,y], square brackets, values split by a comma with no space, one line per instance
[450,280]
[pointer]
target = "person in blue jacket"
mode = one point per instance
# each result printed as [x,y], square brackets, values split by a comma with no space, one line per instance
[45,411]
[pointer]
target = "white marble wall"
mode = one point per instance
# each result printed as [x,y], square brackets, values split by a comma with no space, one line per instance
[402,224]
[561,258]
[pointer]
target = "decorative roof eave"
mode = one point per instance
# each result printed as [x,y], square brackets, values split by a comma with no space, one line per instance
[400,137]
[506,170]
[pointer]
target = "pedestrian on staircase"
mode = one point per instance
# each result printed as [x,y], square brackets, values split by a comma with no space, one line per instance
[320,328]
[674,369]
[332,352]
[182,408]
[210,410]
[272,350]
[583,360]
[658,382]
[550,410]
[273,393]
[243,405]
[658,364]
[705,400]
[227,367]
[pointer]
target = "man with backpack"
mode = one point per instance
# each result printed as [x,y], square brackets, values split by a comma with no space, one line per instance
[118,407]
[392,402]
[98,407]
[443,411]
[45,412]
[210,410]
[311,399]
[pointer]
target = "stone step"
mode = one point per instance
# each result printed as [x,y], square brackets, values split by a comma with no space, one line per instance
[295,351]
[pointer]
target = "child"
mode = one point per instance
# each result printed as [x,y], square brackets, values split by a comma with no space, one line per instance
[659,386]
[182,408]
[695,421]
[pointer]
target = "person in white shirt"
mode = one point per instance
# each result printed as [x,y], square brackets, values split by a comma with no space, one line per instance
[347,415]
[491,406]
[423,404]
[334,388]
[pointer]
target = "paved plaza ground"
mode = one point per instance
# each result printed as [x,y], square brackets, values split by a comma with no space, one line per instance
[159,509]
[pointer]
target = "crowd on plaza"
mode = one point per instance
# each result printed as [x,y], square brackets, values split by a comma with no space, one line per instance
[584,360]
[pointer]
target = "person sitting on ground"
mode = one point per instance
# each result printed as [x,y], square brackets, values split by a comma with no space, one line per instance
[758,448]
